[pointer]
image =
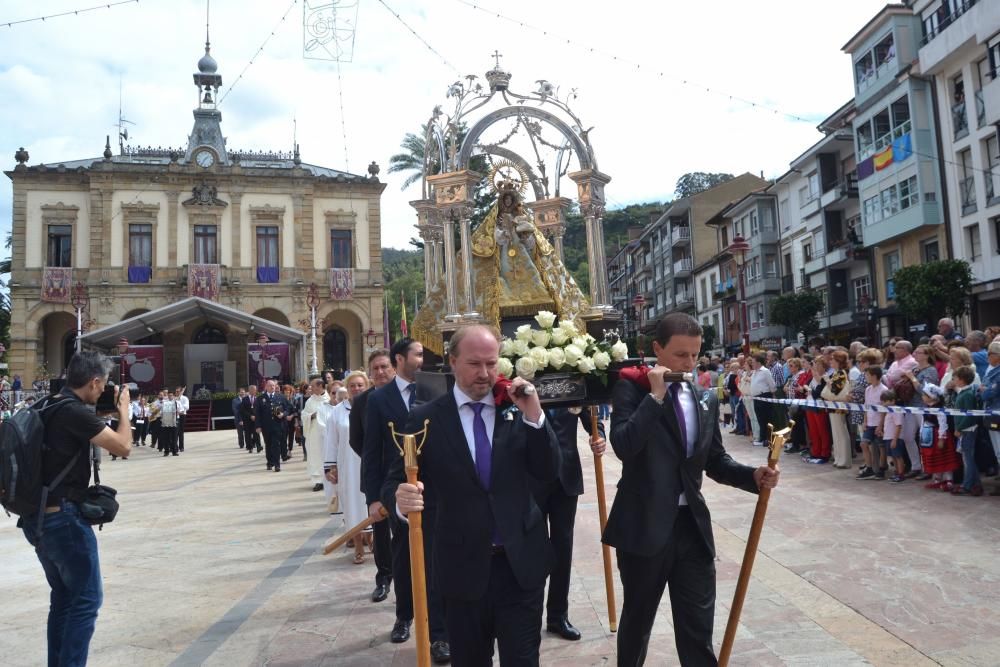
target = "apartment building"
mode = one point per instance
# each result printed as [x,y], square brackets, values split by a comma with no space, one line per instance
[960,51]
[895,136]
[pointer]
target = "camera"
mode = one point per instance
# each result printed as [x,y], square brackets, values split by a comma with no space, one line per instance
[108,400]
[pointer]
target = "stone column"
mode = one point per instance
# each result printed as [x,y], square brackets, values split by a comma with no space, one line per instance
[590,188]
[550,218]
[449,270]
[172,199]
[453,197]
[235,208]
[465,213]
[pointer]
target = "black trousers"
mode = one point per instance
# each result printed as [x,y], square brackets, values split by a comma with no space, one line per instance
[560,511]
[507,613]
[687,567]
[251,436]
[402,583]
[765,415]
[240,434]
[180,431]
[289,438]
[168,439]
[154,434]
[382,546]
[274,444]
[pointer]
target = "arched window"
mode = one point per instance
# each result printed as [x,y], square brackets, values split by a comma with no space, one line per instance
[335,349]
[208,334]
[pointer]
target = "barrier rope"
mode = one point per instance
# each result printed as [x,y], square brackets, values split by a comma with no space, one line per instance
[858,407]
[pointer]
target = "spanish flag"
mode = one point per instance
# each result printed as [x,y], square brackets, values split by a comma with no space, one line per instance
[883,159]
[402,318]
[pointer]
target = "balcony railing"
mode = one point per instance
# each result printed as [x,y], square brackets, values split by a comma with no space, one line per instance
[967,187]
[787,284]
[849,186]
[960,120]
[683,265]
[955,9]
[992,184]
[680,235]
[980,109]
[885,140]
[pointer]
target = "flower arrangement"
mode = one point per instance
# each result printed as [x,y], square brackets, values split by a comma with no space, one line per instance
[562,348]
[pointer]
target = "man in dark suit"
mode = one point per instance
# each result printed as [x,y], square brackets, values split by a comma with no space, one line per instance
[557,500]
[659,523]
[248,412]
[392,403]
[381,373]
[238,417]
[490,551]
[271,410]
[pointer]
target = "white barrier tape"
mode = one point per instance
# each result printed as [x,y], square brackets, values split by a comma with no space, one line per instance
[858,407]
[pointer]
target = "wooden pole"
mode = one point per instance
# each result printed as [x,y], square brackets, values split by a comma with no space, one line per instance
[776,445]
[417,571]
[338,542]
[602,509]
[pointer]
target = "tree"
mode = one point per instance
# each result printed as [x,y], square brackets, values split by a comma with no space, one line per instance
[927,292]
[698,181]
[708,336]
[798,311]
[411,160]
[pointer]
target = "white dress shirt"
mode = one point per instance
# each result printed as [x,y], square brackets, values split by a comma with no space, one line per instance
[183,403]
[404,390]
[690,407]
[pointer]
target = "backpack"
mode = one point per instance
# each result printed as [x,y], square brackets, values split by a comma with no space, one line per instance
[22,454]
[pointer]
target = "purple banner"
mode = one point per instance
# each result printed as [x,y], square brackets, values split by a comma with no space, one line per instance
[144,366]
[266,362]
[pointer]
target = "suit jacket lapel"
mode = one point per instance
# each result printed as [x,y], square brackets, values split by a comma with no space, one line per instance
[704,423]
[397,398]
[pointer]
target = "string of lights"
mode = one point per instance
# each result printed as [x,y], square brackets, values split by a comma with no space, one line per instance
[639,67]
[422,40]
[259,51]
[74,12]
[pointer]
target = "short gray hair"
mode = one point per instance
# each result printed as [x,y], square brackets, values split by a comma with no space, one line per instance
[87,366]
[994,347]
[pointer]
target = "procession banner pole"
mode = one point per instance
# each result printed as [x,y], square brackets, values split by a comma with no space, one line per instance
[410,449]
[776,445]
[338,542]
[602,508]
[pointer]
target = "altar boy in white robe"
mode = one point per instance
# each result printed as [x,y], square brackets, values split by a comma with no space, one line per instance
[313,427]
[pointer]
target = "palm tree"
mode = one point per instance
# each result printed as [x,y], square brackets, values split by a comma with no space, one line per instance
[410,160]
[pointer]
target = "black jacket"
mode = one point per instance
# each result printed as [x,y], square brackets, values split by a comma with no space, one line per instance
[466,513]
[265,406]
[380,452]
[564,424]
[655,469]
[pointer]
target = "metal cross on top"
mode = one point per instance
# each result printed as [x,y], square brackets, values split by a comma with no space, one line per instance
[496,56]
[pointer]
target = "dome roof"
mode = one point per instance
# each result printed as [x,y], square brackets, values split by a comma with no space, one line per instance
[207,64]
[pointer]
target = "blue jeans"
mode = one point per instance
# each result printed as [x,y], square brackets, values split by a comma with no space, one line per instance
[67,550]
[970,477]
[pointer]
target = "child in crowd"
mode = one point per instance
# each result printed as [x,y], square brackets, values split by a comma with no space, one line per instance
[965,429]
[937,445]
[871,445]
[891,431]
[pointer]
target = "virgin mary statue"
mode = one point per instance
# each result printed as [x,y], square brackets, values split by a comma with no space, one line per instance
[516,273]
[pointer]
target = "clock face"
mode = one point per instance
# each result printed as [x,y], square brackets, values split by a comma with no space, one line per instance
[204,158]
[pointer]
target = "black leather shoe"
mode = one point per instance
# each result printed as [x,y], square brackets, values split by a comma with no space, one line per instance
[440,653]
[317,487]
[400,632]
[564,629]
[380,593]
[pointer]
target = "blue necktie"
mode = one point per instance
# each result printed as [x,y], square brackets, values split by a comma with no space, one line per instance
[484,453]
[675,397]
[411,389]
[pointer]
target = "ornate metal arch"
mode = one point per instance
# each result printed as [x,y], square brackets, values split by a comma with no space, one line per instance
[584,155]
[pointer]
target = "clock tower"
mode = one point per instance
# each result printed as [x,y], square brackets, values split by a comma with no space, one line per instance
[206,145]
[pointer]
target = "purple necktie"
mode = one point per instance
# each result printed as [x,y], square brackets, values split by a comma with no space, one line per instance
[675,397]
[484,453]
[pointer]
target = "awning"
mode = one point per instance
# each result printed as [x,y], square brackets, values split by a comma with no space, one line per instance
[177,314]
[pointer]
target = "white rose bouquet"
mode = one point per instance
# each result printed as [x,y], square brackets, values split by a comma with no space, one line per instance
[561,347]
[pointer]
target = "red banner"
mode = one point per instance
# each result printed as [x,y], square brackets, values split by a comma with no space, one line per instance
[57,282]
[203,281]
[144,366]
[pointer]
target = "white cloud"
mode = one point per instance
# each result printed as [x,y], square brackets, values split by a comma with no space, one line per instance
[60,87]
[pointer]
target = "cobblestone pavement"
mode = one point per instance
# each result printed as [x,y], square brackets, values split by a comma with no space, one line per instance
[215,561]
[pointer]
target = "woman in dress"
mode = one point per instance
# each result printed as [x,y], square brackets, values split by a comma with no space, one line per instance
[837,389]
[346,469]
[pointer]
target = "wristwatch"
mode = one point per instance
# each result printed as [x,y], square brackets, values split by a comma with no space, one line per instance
[656,398]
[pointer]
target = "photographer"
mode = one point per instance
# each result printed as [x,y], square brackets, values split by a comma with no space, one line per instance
[67,546]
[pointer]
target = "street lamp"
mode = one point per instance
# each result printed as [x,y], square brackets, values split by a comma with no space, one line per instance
[371,338]
[312,300]
[122,350]
[739,248]
[639,301]
[79,300]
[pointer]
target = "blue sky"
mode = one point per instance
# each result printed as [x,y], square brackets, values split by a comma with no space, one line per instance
[59,80]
